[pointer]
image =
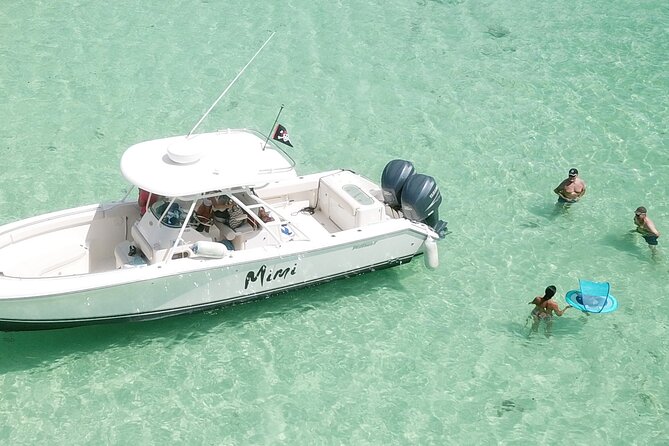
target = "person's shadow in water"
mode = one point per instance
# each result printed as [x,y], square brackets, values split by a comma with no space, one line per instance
[571,323]
[628,243]
[548,214]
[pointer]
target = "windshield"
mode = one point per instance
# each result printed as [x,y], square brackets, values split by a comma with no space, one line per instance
[175,216]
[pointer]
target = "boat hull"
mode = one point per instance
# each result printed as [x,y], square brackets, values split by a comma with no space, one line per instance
[154,292]
[34,324]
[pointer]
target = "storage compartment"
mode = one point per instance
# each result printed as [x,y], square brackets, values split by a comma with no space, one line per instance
[343,199]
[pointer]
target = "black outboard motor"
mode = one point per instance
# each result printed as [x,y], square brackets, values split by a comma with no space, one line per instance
[393,178]
[420,202]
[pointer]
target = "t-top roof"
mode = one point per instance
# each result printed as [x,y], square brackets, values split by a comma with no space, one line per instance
[181,166]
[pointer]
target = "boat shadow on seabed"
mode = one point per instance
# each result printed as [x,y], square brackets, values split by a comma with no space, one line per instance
[46,349]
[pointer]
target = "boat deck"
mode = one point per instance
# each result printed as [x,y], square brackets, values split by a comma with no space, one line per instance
[314,225]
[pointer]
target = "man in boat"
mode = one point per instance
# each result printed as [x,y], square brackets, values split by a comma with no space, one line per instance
[646,228]
[204,215]
[571,189]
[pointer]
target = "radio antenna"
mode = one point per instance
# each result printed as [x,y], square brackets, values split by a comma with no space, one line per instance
[231,83]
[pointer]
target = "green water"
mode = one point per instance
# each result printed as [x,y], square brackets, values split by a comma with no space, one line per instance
[496,100]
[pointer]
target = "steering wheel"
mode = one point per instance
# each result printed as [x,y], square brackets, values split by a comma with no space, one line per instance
[203,220]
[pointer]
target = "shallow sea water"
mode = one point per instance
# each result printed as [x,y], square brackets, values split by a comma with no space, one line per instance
[496,100]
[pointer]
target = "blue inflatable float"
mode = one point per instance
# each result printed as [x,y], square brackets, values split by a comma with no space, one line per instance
[593,297]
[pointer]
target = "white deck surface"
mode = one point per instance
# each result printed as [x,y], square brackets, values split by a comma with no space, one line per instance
[316,225]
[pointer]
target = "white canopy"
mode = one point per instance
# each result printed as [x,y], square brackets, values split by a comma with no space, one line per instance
[181,166]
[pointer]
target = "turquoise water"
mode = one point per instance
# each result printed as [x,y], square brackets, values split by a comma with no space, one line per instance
[496,100]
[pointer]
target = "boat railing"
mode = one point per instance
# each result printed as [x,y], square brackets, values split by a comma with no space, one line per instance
[279,220]
[275,147]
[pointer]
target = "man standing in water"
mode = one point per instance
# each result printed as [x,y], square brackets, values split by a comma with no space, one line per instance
[544,307]
[571,189]
[646,228]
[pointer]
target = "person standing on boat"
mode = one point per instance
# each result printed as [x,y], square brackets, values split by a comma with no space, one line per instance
[646,228]
[571,189]
[544,308]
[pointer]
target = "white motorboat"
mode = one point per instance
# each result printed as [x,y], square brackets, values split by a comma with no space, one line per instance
[221,218]
[106,262]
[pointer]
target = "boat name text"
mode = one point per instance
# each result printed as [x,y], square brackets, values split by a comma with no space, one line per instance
[267,275]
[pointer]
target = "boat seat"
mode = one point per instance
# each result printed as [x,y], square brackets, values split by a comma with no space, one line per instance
[123,257]
[237,236]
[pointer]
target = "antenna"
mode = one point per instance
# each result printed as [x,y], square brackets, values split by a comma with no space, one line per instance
[231,83]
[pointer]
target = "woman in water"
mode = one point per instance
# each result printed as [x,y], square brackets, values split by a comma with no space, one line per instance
[544,307]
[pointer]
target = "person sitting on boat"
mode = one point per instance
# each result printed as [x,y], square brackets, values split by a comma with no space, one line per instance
[229,212]
[146,199]
[264,215]
[204,215]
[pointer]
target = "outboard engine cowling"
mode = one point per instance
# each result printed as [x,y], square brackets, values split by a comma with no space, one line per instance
[420,202]
[394,176]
